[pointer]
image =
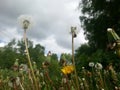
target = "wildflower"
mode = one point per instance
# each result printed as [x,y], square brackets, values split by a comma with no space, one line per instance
[67,69]
[91,64]
[98,66]
[25,21]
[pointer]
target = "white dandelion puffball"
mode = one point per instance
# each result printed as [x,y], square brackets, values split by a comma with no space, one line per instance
[25,21]
[83,79]
[91,64]
[73,30]
[109,29]
[98,66]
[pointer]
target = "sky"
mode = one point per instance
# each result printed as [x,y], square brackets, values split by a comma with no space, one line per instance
[52,20]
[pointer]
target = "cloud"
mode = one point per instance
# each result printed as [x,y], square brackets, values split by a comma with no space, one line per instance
[53,19]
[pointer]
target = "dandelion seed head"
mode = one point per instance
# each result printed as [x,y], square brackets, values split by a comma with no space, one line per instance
[10,84]
[83,67]
[83,79]
[43,83]
[25,21]
[108,0]
[116,88]
[73,29]
[41,74]
[98,66]
[81,84]
[91,64]
[34,62]
[23,67]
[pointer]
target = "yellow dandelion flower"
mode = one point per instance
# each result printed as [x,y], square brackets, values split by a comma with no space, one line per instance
[67,69]
[64,71]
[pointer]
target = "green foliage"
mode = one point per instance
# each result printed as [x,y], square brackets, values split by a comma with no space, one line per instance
[37,54]
[83,57]
[54,57]
[98,15]
[16,50]
[55,72]
[65,58]
[8,55]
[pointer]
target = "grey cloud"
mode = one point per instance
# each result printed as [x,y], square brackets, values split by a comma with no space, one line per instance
[52,17]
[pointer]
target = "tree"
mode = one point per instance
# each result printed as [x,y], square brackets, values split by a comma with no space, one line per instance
[98,15]
[82,56]
[37,54]
[54,57]
[83,49]
[8,55]
[16,50]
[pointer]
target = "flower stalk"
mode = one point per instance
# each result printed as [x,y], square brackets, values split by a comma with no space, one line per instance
[26,22]
[73,61]
[29,61]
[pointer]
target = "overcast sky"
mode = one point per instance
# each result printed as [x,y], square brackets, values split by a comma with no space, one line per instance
[52,18]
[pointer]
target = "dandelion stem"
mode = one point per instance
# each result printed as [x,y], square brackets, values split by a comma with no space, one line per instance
[29,61]
[73,61]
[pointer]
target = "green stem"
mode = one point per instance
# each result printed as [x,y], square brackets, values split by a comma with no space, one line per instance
[29,61]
